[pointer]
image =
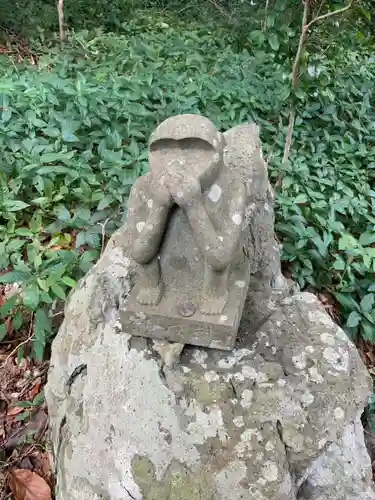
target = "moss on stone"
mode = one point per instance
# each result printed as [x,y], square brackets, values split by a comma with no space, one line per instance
[208,393]
[177,484]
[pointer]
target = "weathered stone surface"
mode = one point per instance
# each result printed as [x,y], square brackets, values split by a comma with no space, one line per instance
[272,420]
[266,421]
[342,472]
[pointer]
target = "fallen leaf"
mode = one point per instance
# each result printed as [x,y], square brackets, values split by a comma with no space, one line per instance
[34,391]
[15,410]
[370,359]
[26,464]
[27,485]
[43,466]
[8,323]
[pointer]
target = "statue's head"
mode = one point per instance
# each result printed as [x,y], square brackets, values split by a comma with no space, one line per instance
[190,139]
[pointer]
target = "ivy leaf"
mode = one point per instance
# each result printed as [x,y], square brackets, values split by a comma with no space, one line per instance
[20,352]
[80,239]
[58,291]
[17,321]
[31,297]
[301,198]
[134,149]
[367,238]
[271,19]
[23,416]
[347,242]
[367,331]
[14,277]
[105,202]
[42,321]
[62,213]
[3,331]
[93,239]
[274,42]
[51,131]
[367,302]
[347,301]
[24,231]
[39,398]
[8,306]
[38,345]
[353,320]
[69,281]
[69,137]
[339,264]
[14,205]
[15,245]
[54,157]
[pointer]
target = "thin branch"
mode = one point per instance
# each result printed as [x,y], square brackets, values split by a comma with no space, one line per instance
[305,25]
[60,313]
[320,7]
[103,225]
[221,9]
[330,14]
[60,11]
[295,81]
[289,135]
[266,15]
[301,44]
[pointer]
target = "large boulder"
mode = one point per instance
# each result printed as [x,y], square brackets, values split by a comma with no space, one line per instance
[277,418]
[274,419]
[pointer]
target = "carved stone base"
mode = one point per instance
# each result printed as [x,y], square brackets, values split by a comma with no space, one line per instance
[177,317]
[165,322]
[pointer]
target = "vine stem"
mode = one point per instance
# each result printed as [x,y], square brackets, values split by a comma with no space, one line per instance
[60,11]
[305,26]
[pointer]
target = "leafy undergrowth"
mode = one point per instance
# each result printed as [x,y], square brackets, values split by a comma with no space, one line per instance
[73,139]
[74,126]
[25,464]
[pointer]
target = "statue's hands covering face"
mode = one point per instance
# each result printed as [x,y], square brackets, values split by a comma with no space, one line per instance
[160,192]
[183,185]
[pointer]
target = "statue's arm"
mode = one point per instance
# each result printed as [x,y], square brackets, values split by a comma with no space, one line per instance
[147,244]
[218,247]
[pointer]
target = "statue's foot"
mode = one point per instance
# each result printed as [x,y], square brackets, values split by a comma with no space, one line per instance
[213,304]
[150,296]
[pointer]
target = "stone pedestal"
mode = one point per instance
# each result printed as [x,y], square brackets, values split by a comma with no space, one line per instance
[177,317]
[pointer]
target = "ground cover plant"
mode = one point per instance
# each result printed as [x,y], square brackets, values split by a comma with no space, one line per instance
[74,132]
[74,124]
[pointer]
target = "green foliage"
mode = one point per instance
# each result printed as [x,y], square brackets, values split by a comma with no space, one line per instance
[369,414]
[73,139]
[326,204]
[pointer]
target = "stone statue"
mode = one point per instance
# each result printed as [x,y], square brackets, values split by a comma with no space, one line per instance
[186,226]
[187,170]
